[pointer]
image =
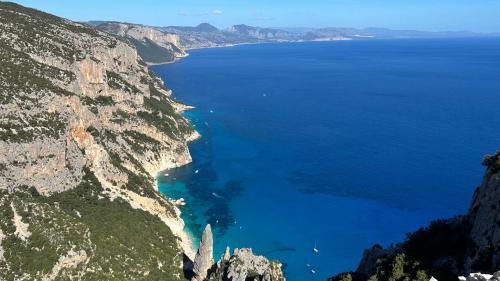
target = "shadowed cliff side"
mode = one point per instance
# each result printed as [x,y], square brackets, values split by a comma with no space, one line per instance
[445,249]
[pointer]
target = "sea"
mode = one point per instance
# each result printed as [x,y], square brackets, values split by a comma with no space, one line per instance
[312,152]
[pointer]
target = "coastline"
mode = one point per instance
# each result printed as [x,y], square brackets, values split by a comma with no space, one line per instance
[167,62]
[177,224]
[262,43]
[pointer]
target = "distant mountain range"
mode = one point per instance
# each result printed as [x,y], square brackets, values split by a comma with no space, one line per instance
[158,44]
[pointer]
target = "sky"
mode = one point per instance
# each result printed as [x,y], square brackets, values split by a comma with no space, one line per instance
[429,15]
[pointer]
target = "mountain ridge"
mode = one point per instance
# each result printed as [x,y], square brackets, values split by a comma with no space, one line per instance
[206,35]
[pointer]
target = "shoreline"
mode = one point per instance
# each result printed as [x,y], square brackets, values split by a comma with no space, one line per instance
[274,42]
[177,224]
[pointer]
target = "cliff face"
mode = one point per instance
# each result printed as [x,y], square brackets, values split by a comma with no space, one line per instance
[84,128]
[484,216]
[154,46]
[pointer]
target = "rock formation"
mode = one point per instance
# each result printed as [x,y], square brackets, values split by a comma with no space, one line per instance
[242,265]
[484,215]
[477,276]
[245,265]
[481,277]
[203,261]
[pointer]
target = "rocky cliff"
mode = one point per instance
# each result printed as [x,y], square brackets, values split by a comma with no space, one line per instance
[84,129]
[484,217]
[447,248]
[153,45]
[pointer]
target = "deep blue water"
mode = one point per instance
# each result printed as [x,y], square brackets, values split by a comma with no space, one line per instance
[335,144]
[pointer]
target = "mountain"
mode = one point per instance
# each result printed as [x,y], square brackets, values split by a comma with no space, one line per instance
[446,248]
[85,128]
[202,27]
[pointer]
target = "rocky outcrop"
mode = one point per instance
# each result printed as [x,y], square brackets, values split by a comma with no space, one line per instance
[371,259]
[481,277]
[203,261]
[245,265]
[484,215]
[242,265]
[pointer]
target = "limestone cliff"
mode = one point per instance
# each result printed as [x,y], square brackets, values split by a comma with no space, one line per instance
[84,129]
[154,46]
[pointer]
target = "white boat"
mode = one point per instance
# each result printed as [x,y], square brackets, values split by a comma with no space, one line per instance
[313,271]
[196,172]
[315,249]
[217,195]
[166,174]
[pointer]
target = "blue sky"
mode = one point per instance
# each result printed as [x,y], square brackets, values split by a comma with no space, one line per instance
[474,15]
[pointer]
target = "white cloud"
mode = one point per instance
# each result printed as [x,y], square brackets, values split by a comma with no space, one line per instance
[217,12]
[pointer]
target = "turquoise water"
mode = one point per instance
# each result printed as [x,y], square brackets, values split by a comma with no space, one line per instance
[337,145]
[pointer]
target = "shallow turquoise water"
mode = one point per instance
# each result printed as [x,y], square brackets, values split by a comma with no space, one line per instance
[335,144]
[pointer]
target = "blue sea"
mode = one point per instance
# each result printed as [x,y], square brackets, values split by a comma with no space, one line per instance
[333,145]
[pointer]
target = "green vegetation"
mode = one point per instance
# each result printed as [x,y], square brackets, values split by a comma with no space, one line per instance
[493,162]
[47,125]
[29,24]
[438,250]
[120,117]
[151,52]
[115,81]
[104,100]
[140,142]
[122,243]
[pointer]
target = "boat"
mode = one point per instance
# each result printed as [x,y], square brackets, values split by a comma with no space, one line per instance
[315,250]
[196,172]
[217,195]
[313,271]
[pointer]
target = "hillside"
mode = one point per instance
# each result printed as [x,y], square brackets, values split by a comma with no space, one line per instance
[85,128]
